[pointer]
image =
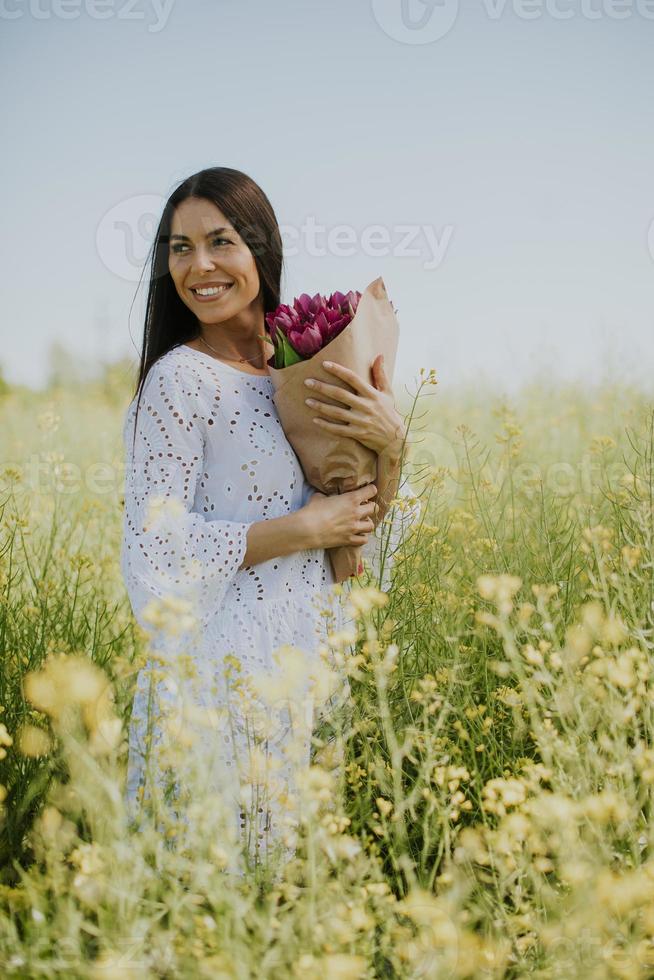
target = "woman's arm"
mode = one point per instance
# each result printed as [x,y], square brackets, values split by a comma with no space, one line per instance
[389,469]
[323,522]
[168,550]
[278,536]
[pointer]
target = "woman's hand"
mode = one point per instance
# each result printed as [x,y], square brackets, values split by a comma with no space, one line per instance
[340,518]
[368,413]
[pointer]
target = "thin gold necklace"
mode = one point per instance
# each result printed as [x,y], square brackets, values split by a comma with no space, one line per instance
[239,359]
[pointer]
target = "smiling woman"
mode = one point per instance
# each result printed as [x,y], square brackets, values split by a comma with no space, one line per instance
[218,231]
[218,512]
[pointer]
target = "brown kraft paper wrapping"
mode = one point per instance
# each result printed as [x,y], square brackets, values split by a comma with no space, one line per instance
[334,463]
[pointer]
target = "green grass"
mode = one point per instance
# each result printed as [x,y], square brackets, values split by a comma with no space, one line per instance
[491,812]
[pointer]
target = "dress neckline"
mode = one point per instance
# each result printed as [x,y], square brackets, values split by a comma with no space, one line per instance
[228,367]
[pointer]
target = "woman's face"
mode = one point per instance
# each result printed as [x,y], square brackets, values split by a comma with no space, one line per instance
[213,269]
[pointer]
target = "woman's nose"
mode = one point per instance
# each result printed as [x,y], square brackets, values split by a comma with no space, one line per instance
[203,260]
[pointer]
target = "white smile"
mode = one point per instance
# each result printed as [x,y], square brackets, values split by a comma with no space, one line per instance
[212,290]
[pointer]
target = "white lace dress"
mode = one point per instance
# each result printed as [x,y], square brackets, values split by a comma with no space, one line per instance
[209,459]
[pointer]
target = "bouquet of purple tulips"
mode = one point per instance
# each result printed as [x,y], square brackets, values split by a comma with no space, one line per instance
[301,330]
[356,327]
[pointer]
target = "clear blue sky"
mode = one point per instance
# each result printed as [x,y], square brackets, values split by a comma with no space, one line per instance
[524,146]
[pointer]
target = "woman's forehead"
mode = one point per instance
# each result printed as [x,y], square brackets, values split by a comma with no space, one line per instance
[197,216]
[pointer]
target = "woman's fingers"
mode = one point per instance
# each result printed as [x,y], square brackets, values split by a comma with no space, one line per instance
[337,412]
[366,491]
[350,377]
[334,391]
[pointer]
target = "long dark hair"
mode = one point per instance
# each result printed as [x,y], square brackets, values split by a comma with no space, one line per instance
[168,321]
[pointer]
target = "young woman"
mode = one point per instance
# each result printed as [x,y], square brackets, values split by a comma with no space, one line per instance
[217,509]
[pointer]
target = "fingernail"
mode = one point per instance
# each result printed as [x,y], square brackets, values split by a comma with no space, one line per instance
[327,364]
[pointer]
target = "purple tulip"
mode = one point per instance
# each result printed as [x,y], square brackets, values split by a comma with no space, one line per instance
[306,342]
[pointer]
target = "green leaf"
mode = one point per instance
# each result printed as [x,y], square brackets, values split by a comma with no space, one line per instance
[285,352]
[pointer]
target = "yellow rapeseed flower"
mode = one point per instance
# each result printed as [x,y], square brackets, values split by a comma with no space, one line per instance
[364,599]
[33,742]
[499,589]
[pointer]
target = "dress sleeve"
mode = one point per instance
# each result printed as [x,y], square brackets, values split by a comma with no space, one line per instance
[169,549]
[380,548]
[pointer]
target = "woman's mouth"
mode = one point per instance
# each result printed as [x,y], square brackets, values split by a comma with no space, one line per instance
[209,293]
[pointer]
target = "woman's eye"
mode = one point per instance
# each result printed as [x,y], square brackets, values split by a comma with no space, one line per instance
[180,247]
